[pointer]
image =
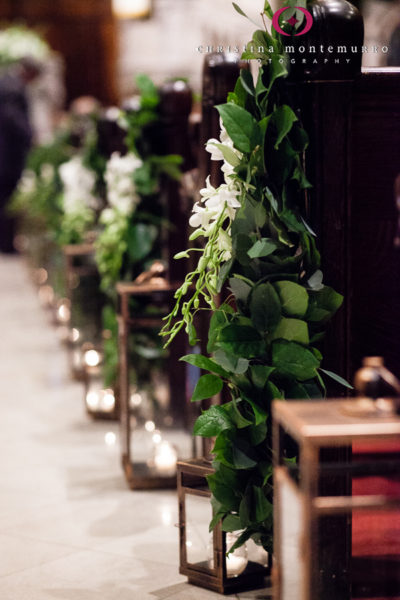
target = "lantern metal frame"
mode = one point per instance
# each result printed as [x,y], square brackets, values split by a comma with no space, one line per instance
[316,426]
[139,475]
[192,480]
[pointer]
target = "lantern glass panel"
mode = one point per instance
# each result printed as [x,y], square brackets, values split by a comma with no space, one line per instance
[375,557]
[290,527]
[156,404]
[199,541]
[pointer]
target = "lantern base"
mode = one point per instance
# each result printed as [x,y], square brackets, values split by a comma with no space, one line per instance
[140,476]
[254,577]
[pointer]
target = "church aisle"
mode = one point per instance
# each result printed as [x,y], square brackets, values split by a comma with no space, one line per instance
[69,527]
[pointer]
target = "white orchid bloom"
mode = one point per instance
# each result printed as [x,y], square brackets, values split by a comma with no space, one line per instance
[211,147]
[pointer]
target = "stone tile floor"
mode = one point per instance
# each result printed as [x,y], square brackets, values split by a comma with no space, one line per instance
[69,527]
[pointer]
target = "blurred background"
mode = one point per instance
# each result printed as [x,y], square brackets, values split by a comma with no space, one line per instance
[103,43]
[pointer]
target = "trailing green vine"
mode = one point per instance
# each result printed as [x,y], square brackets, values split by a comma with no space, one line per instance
[133,219]
[263,339]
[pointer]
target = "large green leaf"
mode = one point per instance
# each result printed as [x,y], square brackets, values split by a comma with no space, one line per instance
[140,240]
[283,118]
[293,330]
[247,81]
[265,307]
[212,422]
[294,298]
[262,248]
[259,411]
[231,523]
[207,386]
[197,360]
[233,410]
[293,360]
[240,289]
[241,459]
[323,304]
[230,362]
[219,320]
[222,490]
[241,340]
[262,506]
[260,374]
[240,125]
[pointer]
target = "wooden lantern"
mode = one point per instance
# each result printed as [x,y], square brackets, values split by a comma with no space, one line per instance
[203,555]
[154,419]
[303,511]
[85,303]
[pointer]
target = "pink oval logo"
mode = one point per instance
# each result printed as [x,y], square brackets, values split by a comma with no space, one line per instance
[292,21]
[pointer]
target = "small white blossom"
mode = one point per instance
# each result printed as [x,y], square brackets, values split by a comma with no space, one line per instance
[214,203]
[212,148]
[225,244]
[121,193]
[217,154]
[78,182]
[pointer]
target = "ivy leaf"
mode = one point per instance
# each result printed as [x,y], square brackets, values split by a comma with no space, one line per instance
[337,378]
[258,433]
[241,126]
[241,246]
[244,512]
[247,81]
[207,386]
[293,330]
[262,248]
[293,360]
[231,523]
[212,422]
[294,298]
[232,408]
[242,341]
[262,506]
[218,321]
[241,460]
[221,487]
[265,307]
[240,289]
[276,71]
[275,393]
[231,363]
[260,412]
[283,118]
[260,374]
[324,304]
[197,360]
[260,215]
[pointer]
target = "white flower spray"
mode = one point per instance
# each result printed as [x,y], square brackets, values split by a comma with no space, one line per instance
[122,201]
[212,218]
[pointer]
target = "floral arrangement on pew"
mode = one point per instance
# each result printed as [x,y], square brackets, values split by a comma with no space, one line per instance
[132,222]
[61,186]
[263,338]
